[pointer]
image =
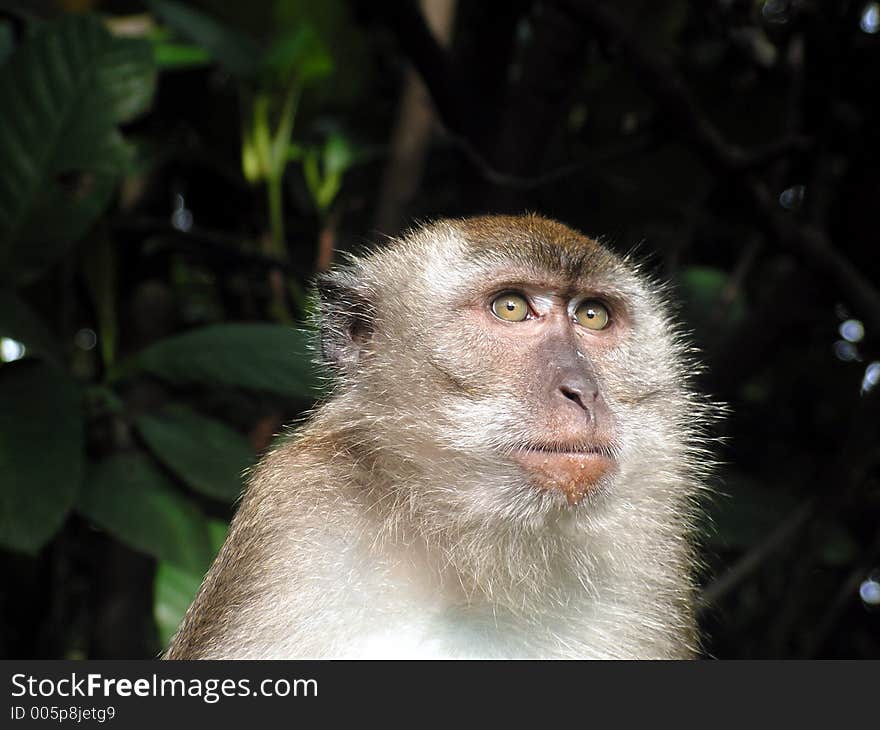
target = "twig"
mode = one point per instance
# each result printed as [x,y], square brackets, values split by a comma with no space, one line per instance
[754,558]
[491,174]
[457,102]
[846,594]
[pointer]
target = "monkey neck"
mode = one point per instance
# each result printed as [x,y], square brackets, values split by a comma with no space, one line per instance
[559,557]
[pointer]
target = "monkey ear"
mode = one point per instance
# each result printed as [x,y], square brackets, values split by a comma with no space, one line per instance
[345,322]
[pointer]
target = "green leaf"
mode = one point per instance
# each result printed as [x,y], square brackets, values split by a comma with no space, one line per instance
[19,322]
[205,453]
[295,152]
[7,40]
[41,452]
[338,155]
[703,285]
[175,589]
[264,357]
[704,290]
[99,270]
[131,499]
[62,93]
[236,52]
[323,169]
[300,53]
[180,55]
[326,193]
[126,77]
[256,140]
[312,174]
[334,22]
[102,401]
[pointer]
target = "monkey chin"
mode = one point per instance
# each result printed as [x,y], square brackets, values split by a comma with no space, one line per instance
[573,473]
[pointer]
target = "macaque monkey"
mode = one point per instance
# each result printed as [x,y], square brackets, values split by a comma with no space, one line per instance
[508,465]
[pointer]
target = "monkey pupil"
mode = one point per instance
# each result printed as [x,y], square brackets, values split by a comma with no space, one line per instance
[511,306]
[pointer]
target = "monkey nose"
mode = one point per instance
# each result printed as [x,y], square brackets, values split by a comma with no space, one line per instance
[580,394]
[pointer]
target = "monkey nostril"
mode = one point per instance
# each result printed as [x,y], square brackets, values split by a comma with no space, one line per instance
[576,396]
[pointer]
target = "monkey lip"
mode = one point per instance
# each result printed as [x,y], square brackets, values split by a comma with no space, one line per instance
[573,472]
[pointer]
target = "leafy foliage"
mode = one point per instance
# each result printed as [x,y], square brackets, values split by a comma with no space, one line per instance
[64,93]
[19,322]
[235,51]
[130,498]
[41,456]
[205,453]
[69,91]
[263,357]
[176,588]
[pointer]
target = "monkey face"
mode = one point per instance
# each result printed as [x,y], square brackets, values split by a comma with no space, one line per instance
[534,355]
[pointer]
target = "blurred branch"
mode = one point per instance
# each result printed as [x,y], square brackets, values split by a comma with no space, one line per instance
[771,152]
[412,130]
[457,103]
[662,81]
[475,119]
[736,282]
[842,600]
[815,248]
[754,558]
[633,146]
[537,96]
[327,241]
[224,251]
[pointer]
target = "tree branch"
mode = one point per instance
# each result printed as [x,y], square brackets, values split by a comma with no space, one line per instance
[662,81]
[457,104]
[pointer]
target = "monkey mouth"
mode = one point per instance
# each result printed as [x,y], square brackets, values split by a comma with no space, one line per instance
[572,471]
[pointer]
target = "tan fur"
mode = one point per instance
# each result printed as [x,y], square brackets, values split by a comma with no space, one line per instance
[393,524]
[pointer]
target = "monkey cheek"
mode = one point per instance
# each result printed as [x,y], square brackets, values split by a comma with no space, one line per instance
[573,474]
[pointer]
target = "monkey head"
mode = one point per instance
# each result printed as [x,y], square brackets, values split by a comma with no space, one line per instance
[527,368]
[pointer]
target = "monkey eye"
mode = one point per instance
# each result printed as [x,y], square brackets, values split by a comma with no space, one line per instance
[510,307]
[592,314]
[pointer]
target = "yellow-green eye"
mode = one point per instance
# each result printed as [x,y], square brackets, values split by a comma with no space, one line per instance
[592,315]
[510,307]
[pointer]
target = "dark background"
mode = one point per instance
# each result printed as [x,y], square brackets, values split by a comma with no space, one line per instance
[172,174]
